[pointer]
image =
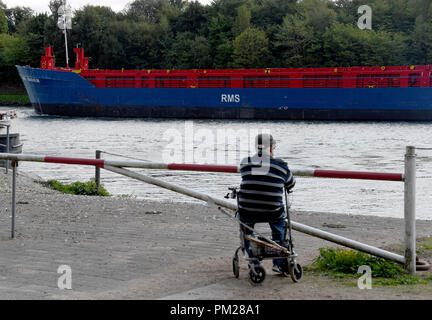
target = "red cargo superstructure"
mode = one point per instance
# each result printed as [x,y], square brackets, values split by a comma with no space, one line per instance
[347,77]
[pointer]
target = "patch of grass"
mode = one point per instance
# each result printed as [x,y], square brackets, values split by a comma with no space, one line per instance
[404,279]
[79,188]
[343,264]
[21,98]
[339,260]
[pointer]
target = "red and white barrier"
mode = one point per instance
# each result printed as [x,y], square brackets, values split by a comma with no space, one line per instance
[339,174]
[409,259]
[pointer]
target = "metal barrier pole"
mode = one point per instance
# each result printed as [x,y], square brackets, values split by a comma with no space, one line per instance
[14,174]
[199,167]
[7,147]
[97,170]
[409,210]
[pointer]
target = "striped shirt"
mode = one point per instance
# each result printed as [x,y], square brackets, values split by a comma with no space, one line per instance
[261,190]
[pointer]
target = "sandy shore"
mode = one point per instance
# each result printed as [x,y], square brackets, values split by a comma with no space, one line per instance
[123,248]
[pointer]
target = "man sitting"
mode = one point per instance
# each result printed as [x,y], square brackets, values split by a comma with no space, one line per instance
[261,192]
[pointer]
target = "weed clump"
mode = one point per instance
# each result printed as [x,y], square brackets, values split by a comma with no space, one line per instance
[79,188]
[344,264]
[339,260]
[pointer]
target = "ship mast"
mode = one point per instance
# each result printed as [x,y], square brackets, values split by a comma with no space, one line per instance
[64,23]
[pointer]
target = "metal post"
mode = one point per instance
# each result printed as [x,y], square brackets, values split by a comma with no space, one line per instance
[409,210]
[7,147]
[66,46]
[65,34]
[14,174]
[97,170]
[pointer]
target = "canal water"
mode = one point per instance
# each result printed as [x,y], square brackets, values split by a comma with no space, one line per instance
[364,146]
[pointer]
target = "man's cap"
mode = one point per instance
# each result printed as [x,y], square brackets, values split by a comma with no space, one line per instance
[264,141]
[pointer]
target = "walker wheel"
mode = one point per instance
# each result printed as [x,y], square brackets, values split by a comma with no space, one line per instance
[258,276]
[236,267]
[296,272]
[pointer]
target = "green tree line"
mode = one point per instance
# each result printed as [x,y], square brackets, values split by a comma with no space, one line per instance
[182,34]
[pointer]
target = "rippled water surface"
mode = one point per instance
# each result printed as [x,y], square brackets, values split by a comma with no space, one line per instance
[365,146]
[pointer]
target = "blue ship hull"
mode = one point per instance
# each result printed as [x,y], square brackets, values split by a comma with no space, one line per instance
[68,94]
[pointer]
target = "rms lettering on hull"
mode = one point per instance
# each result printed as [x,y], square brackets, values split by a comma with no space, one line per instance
[230,98]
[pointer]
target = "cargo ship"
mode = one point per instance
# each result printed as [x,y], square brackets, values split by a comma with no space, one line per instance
[382,93]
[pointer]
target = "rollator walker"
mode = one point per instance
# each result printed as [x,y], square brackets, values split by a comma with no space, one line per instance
[263,248]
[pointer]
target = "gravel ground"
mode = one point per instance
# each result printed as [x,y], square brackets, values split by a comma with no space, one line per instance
[123,248]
